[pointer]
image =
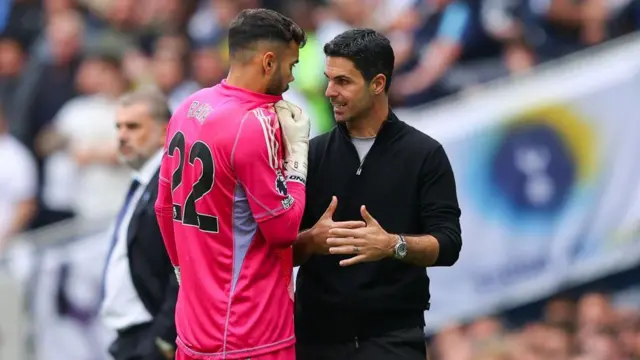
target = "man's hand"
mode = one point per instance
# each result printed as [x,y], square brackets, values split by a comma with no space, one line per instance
[370,243]
[295,130]
[320,231]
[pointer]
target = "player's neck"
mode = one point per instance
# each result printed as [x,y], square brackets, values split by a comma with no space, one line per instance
[369,124]
[243,78]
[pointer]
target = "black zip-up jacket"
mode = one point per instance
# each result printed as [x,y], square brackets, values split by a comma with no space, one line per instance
[407,184]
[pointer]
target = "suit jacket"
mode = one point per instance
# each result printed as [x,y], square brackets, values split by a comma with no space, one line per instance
[151,270]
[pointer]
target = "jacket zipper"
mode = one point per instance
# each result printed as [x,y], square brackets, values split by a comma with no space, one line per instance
[359,170]
[362,162]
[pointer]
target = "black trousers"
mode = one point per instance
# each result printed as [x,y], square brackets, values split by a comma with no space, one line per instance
[405,344]
[135,343]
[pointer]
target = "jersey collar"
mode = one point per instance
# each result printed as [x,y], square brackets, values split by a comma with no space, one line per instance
[248,94]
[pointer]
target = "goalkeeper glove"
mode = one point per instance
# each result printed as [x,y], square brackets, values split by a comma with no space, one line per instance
[295,127]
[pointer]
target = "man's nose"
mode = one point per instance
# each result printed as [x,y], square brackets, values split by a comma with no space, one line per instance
[122,136]
[330,92]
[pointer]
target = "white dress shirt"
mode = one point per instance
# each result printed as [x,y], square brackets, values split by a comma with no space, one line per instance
[121,307]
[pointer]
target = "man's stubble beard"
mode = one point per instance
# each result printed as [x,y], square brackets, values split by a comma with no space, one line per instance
[134,163]
[137,161]
[274,87]
[363,112]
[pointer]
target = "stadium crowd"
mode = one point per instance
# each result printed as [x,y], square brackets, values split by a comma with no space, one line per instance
[64,63]
[592,328]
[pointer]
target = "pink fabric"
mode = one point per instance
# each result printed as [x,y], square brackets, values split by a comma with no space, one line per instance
[283,354]
[236,292]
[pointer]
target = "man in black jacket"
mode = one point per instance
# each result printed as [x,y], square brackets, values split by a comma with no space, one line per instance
[362,288]
[140,288]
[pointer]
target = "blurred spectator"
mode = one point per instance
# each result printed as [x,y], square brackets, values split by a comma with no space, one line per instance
[12,59]
[55,7]
[339,16]
[594,313]
[561,310]
[208,66]
[48,79]
[23,20]
[452,52]
[504,21]
[560,27]
[170,70]
[79,148]
[590,329]
[208,24]
[18,184]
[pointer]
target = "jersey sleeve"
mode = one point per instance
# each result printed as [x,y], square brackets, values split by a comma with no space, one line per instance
[275,203]
[164,208]
[258,165]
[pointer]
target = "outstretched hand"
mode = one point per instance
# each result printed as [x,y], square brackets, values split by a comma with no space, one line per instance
[369,243]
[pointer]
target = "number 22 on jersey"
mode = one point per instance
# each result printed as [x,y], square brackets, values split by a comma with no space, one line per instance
[186,213]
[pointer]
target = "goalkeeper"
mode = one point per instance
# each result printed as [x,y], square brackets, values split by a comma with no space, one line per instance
[231,198]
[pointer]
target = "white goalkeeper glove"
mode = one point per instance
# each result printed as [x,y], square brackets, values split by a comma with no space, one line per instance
[295,130]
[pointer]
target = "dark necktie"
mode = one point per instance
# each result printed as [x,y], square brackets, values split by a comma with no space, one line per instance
[114,238]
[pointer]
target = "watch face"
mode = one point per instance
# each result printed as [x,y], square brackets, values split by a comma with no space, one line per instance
[401,250]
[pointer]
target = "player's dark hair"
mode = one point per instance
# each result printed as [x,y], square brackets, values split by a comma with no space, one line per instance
[255,25]
[370,52]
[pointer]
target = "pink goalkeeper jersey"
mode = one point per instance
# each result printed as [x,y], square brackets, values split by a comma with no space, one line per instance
[228,216]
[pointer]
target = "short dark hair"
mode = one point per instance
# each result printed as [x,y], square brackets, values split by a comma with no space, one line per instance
[370,52]
[254,25]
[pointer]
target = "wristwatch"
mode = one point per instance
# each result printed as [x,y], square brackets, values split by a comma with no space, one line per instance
[400,250]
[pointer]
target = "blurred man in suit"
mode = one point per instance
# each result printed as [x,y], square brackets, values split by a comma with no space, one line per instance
[140,288]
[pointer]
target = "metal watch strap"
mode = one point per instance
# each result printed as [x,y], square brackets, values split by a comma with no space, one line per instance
[400,250]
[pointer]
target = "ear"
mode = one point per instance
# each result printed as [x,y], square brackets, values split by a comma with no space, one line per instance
[163,133]
[378,83]
[268,62]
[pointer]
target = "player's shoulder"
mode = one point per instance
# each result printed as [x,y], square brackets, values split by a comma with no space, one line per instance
[202,96]
[263,117]
[267,111]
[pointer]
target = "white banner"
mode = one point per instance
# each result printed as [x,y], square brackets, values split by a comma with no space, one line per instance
[548,181]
